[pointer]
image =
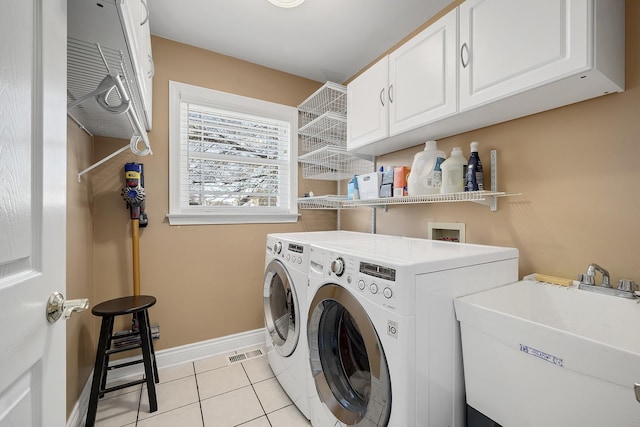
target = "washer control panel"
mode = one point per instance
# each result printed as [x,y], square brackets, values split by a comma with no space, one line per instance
[293,254]
[373,281]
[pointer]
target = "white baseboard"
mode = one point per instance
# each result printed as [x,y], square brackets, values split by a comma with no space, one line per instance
[170,357]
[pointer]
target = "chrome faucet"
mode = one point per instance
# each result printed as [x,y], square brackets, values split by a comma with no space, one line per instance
[590,277]
[626,288]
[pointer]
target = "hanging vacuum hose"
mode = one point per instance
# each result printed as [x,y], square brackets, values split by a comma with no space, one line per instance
[133,193]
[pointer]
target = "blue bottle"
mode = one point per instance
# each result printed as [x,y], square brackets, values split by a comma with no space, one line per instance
[474,179]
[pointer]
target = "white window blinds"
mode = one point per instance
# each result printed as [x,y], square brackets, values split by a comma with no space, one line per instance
[234,159]
[236,163]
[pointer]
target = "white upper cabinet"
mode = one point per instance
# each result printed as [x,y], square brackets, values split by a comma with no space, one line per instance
[512,59]
[423,76]
[510,46]
[368,106]
[414,85]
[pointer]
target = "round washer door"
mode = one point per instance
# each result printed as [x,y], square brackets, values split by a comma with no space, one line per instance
[348,363]
[281,312]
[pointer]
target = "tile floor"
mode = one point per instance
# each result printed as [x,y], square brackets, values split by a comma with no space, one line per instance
[206,393]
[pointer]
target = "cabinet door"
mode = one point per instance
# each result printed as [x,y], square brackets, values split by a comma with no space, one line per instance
[145,60]
[135,21]
[368,106]
[510,46]
[423,76]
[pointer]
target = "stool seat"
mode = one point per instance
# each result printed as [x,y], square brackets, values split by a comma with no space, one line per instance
[124,305]
[138,337]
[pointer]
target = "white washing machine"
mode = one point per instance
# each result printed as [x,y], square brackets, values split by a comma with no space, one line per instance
[384,343]
[286,305]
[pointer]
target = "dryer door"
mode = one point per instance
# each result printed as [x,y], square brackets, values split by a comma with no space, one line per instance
[347,359]
[281,312]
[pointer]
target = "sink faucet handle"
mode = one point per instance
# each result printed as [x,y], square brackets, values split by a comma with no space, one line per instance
[627,285]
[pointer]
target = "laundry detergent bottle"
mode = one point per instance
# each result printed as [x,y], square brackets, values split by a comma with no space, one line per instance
[453,172]
[474,178]
[426,175]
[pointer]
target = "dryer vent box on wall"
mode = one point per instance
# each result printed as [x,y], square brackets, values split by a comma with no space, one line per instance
[448,231]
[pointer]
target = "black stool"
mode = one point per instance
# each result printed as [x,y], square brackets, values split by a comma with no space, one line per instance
[108,310]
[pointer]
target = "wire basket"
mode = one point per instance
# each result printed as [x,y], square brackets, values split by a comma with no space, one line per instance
[328,129]
[331,97]
[334,164]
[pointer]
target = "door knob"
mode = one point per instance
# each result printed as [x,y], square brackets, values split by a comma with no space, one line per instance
[636,388]
[57,306]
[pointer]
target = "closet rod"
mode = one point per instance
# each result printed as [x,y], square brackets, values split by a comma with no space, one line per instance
[98,163]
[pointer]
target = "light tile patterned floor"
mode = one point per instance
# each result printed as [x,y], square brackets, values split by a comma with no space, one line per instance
[205,393]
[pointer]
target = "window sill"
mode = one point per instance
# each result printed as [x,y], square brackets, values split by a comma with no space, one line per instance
[204,219]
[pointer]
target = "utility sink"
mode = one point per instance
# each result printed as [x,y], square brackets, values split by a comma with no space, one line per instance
[543,355]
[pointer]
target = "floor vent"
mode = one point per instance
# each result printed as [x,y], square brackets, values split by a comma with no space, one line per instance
[237,358]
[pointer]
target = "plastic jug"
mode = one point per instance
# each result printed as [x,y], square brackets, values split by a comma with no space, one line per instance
[453,172]
[426,175]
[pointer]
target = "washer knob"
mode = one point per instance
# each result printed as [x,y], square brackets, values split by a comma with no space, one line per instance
[337,266]
[277,247]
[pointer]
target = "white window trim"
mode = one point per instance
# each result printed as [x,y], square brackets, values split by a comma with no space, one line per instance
[179,92]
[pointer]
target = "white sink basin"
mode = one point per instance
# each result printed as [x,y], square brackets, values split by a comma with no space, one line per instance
[538,355]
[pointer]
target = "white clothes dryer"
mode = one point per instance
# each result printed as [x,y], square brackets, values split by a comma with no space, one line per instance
[384,343]
[285,308]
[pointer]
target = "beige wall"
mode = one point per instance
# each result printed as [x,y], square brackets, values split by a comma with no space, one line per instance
[81,332]
[578,169]
[207,279]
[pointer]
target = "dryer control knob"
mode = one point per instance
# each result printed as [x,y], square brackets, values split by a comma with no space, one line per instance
[337,266]
[277,247]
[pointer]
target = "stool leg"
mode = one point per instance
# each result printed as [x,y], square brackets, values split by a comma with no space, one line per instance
[99,369]
[145,342]
[105,363]
[153,352]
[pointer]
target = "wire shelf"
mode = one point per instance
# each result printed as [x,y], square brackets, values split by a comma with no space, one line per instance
[334,164]
[467,196]
[85,71]
[324,202]
[331,97]
[338,202]
[328,129]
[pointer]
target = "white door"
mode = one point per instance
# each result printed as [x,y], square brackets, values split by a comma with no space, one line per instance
[423,77]
[368,106]
[510,46]
[32,210]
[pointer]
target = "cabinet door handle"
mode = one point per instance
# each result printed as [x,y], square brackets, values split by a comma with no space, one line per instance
[463,49]
[382,96]
[146,18]
[390,93]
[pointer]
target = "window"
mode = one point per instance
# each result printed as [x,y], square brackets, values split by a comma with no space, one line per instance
[231,158]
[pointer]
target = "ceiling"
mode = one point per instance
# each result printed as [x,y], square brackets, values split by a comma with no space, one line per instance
[322,40]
